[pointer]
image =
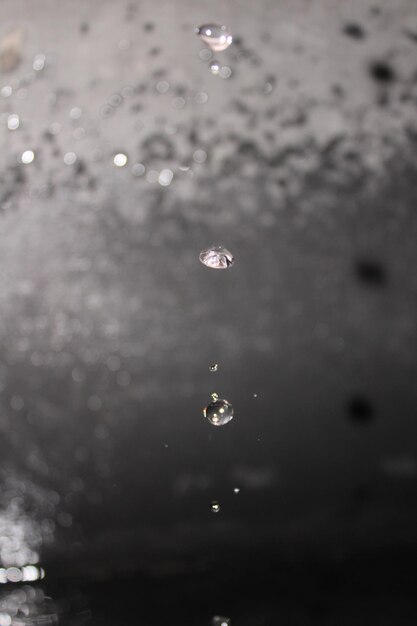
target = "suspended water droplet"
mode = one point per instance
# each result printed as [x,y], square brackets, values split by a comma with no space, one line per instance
[213,368]
[214,396]
[214,67]
[236,490]
[215,506]
[215,36]
[216,257]
[219,412]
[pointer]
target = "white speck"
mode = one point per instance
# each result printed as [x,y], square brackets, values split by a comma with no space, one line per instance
[13,122]
[70,158]
[27,156]
[120,159]
[236,490]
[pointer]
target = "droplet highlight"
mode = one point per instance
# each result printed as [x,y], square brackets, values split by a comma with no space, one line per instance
[215,36]
[215,506]
[219,412]
[213,367]
[216,257]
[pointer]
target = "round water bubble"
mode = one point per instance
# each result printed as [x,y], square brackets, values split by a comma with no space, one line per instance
[215,506]
[219,412]
[215,36]
[216,257]
[213,367]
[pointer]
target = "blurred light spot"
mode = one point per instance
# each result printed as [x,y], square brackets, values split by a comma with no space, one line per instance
[113,363]
[30,573]
[127,92]
[115,100]
[215,506]
[75,113]
[96,155]
[124,378]
[225,71]
[124,44]
[165,177]
[162,86]
[79,133]
[27,156]
[178,103]
[120,159]
[70,158]
[39,62]
[55,128]
[17,403]
[13,122]
[138,169]
[205,54]
[200,156]
[5,619]
[101,431]
[152,176]
[6,91]
[94,403]
[201,97]
[64,519]
[14,574]
[236,490]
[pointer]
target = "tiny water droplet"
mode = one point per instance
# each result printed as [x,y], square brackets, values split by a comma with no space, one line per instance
[236,490]
[215,36]
[215,506]
[214,396]
[216,257]
[214,367]
[255,395]
[219,412]
[214,67]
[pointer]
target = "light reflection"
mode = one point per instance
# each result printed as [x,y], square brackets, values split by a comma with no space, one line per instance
[39,62]
[27,156]
[120,159]
[13,122]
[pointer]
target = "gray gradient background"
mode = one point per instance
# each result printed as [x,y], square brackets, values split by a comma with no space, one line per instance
[305,185]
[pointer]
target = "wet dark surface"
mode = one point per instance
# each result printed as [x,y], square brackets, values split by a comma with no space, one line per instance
[303,164]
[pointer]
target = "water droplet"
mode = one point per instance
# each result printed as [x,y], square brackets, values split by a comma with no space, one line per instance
[236,490]
[6,91]
[215,506]
[255,395]
[219,412]
[165,177]
[225,71]
[215,36]
[205,54]
[75,113]
[214,67]
[216,257]
[214,396]
[213,368]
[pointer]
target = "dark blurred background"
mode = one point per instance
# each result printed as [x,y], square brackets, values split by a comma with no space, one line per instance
[123,156]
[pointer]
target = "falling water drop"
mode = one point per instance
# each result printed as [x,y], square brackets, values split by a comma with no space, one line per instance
[236,490]
[214,67]
[218,412]
[216,257]
[215,36]
[213,367]
[215,506]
